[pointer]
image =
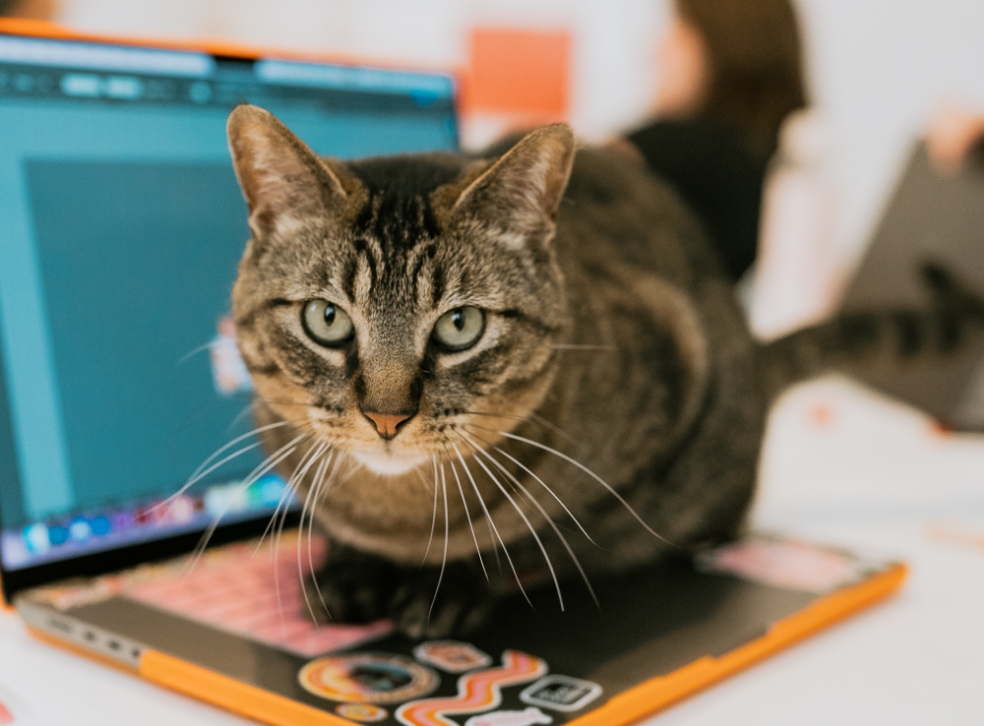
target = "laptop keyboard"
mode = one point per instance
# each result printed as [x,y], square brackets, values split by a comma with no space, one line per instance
[254,592]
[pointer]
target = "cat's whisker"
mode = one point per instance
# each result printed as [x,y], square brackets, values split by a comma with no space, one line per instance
[317,495]
[555,428]
[532,416]
[263,468]
[169,502]
[547,517]
[305,463]
[225,447]
[430,539]
[594,476]
[199,349]
[444,558]
[289,491]
[543,484]
[421,477]
[241,416]
[488,518]
[204,470]
[278,536]
[479,450]
[578,346]
[471,525]
[307,510]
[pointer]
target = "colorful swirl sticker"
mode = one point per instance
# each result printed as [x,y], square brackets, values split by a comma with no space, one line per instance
[367,678]
[477,692]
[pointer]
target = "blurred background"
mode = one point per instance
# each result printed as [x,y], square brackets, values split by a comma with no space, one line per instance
[877,70]
[841,463]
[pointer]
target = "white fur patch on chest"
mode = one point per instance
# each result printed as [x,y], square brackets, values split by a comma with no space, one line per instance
[387,464]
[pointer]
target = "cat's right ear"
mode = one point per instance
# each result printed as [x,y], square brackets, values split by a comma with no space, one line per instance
[519,195]
[283,181]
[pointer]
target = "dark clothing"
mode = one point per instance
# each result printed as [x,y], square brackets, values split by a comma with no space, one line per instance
[717,175]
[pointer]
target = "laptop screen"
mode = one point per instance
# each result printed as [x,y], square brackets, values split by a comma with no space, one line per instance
[121,225]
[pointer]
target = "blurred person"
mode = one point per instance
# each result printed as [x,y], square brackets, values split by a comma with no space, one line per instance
[798,276]
[730,73]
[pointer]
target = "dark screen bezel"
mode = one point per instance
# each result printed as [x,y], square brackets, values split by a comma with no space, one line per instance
[127,556]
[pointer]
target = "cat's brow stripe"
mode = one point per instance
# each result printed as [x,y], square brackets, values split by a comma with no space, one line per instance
[540,325]
[422,253]
[363,252]
[437,285]
[349,277]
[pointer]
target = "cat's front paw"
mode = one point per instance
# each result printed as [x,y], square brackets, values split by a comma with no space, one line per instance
[352,587]
[421,607]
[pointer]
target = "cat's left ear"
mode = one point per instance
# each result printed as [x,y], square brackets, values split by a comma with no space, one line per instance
[283,181]
[519,195]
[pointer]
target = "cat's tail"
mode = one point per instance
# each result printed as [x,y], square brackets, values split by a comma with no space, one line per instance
[855,343]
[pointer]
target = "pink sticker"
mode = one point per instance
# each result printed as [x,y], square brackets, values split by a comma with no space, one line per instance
[788,564]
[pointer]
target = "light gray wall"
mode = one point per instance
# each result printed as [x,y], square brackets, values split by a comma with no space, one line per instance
[878,68]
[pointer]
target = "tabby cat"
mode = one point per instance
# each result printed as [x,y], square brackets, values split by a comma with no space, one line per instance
[485,373]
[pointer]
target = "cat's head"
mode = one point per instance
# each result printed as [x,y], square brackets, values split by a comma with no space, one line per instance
[396,308]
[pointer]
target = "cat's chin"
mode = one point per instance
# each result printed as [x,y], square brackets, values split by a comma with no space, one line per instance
[388,464]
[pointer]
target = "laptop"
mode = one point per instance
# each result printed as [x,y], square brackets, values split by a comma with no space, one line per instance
[125,432]
[930,216]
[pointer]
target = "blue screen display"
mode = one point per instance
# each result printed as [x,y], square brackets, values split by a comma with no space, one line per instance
[121,225]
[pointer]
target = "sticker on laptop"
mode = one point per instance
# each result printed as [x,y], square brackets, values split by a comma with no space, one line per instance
[789,564]
[452,656]
[362,712]
[527,717]
[478,691]
[367,678]
[561,693]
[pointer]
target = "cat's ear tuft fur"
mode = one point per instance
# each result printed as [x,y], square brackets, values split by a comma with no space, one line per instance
[521,192]
[282,179]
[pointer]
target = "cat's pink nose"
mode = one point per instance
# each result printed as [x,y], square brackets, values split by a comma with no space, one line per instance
[386,423]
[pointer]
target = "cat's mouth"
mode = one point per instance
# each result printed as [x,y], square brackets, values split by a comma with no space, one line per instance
[386,463]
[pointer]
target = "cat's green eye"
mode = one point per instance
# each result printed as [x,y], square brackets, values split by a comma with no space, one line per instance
[460,328]
[326,323]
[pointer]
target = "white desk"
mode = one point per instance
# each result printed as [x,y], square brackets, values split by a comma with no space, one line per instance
[841,465]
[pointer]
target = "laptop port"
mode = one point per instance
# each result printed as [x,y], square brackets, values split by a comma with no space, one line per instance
[60,625]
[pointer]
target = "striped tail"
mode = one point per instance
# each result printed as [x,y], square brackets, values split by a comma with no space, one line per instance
[881,340]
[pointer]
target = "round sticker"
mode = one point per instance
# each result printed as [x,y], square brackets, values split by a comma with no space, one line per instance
[362,712]
[367,678]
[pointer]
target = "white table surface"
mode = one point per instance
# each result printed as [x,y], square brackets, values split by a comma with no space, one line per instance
[841,465]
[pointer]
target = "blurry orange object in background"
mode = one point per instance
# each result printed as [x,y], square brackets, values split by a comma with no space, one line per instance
[523,77]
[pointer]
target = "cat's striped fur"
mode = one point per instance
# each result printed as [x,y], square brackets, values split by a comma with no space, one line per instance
[615,389]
